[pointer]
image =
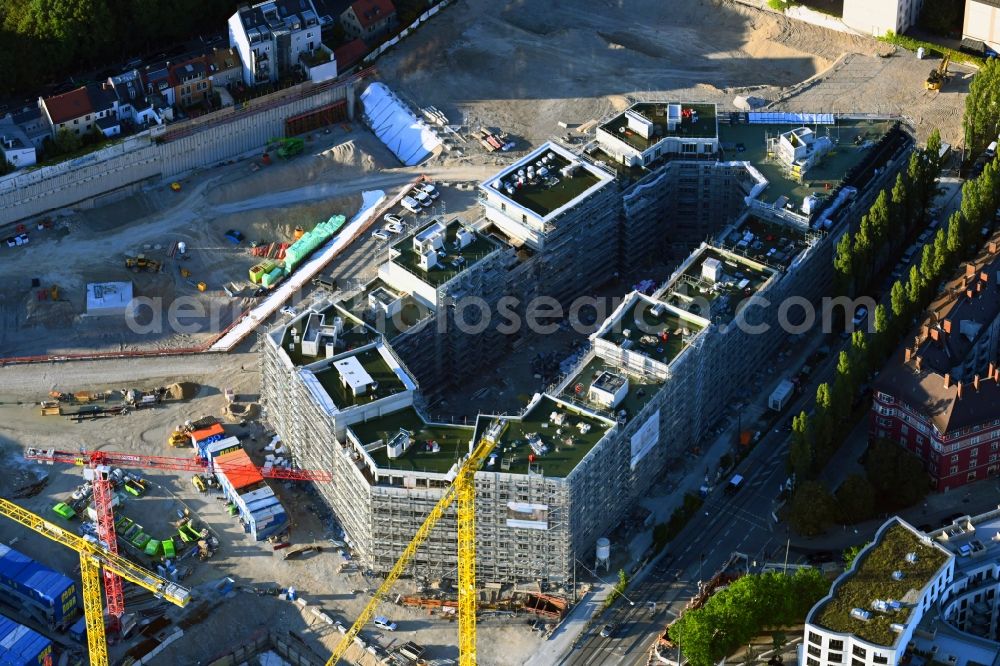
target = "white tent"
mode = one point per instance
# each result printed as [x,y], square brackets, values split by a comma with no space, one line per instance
[407,136]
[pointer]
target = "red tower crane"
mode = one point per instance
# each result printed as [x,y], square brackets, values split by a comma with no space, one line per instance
[99,463]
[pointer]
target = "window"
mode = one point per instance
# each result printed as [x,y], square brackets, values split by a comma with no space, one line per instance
[815,651]
[859,651]
[689,148]
[857,662]
[76,121]
[884,397]
[953,469]
[954,458]
[812,662]
[971,476]
[836,644]
[903,430]
[834,657]
[880,659]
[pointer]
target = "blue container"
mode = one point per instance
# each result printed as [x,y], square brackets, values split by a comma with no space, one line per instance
[44,589]
[21,646]
[78,631]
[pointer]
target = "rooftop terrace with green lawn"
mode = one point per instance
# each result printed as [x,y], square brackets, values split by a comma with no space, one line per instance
[872,578]
[564,444]
[547,188]
[410,313]
[651,329]
[748,143]
[773,243]
[452,442]
[372,362]
[451,260]
[696,121]
[714,284]
[354,335]
[640,389]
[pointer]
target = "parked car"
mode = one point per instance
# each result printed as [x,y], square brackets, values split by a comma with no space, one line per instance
[382,622]
[422,199]
[393,228]
[609,630]
[410,204]
[429,190]
[288,310]
[381,235]
[234,236]
[859,316]
[393,219]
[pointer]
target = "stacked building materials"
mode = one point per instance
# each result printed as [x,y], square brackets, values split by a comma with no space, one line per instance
[21,646]
[45,593]
[311,240]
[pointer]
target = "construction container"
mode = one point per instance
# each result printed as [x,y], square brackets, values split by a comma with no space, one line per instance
[168,548]
[311,240]
[41,591]
[244,476]
[202,286]
[273,278]
[152,547]
[21,646]
[206,436]
[214,449]
[78,632]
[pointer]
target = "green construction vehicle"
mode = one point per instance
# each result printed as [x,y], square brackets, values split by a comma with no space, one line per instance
[287,148]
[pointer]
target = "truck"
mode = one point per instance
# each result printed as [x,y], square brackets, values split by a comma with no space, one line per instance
[735,483]
[781,395]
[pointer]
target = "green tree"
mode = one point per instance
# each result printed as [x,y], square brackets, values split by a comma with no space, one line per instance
[897,299]
[824,424]
[928,264]
[855,500]
[897,475]
[843,266]
[880,342]
[801,456]
[933,151]
[861,359]
[5,166]
[942,261]
[982,107]
[67,141]
[845,387]
[954,240]
[915,289]
[812,509]
[852,553]
[901,211]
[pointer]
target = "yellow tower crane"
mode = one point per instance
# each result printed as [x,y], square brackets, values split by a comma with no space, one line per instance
[464,490]
[92,558]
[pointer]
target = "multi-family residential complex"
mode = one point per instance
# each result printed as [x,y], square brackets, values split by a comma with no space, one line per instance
[368,19]
[982,23]
[939,395]
[271,36]
[913,597]
[654,376]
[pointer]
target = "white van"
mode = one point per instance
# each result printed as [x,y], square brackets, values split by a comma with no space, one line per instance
[410,204]
[382,622]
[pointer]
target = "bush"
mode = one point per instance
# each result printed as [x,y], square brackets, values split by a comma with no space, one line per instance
[779,5]
[663,533]
[812,509]
[931,49]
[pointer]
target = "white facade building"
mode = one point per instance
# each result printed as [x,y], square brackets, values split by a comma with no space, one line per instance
[982,22]
[913,597]
[270,37]
[877,17]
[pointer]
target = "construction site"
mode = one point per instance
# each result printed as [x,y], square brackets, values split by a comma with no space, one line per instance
[309,487]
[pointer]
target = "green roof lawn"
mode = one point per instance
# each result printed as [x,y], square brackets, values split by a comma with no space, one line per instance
[640,390]
[664,352]
[705,128]
[543,197]
[376,366]
[444,271]
[872,579]
[452,440]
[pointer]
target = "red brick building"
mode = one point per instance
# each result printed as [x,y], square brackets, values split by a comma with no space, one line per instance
[939,397]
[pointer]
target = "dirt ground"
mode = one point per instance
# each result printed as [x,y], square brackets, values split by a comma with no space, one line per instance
[524,71]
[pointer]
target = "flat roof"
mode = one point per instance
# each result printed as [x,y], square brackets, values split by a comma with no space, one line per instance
[371,362]
[641,388]
[354,335]
[452,442]
[657,114]
[566,444]
[871,578]
[971,540]
[455,259]
[108,296]
[545,195]
[768,242]
[692,292]
[748,143]
[653,329]
[352,373]
[411,310]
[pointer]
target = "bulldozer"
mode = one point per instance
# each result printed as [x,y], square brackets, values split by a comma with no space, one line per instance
[141,263]
[287,148]
[938,76]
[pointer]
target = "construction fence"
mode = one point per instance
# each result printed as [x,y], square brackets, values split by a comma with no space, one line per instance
[126,167]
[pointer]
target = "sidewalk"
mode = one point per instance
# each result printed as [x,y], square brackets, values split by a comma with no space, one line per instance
[569,630]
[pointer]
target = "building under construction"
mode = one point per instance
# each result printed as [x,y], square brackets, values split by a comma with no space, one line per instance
[346,384]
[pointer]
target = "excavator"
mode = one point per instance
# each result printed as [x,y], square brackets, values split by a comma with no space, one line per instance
[287,148]
[141,263]
[938,76]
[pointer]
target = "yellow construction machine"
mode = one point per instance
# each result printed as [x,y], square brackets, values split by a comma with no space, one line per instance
[141,263]
[938,76]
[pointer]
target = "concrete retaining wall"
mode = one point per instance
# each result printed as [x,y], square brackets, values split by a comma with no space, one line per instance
[292,651]
[124,168]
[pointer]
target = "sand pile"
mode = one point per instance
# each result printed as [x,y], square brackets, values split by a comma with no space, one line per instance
[182,390]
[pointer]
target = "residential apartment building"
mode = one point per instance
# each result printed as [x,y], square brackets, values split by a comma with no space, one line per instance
[224,67]
[15,146]
[982,22]
[271,36]
[191,81]
[938,397]
[89,107]
[651,381]
[131,102]
[369,20]
[877,17]
[913,597]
